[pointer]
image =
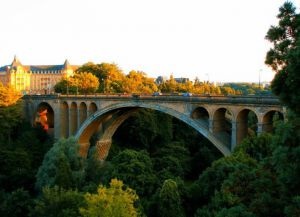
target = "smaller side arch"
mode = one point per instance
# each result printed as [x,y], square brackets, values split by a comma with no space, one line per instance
[201,114]
[92,108]
[73,118]
[64,120]
[246,124]
[269,118]
[221,125]
[82,113]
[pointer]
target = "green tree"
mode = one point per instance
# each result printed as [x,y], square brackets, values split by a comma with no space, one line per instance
[169,200]
[62,166]
[58,202]
[146,129]
[15,169]
[284,56]
[64,86]
[21,157]
[293,209]
[172,160]
[111,202]
[257,147]
[135,168]
[237,211]
[287,154]
[266,187]
[16,204]
[210,181]
[253,187]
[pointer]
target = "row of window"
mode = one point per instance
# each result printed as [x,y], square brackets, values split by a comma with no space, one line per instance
[47,72]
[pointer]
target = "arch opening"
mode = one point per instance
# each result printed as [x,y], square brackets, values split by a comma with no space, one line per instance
[91,125]
[201,114]
[99,133]
[45,117]
[268,120]
[64,120]
[154,131]
[246,124]
[222,125]
[92,108]
[73,118]
[82,113]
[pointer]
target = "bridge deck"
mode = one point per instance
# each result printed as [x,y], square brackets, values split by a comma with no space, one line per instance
[219,99]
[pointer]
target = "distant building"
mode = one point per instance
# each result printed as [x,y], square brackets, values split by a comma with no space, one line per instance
[265,84]
[34,79]
[160,80]
[182,80]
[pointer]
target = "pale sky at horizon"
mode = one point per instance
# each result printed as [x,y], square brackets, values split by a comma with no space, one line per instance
[220,40]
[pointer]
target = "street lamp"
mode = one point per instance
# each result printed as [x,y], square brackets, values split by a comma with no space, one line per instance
[103,84]
[67,85]
[259,78]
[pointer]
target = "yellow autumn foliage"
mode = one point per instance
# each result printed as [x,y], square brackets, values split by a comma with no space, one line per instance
[85,81]
[111,202]
[8,96]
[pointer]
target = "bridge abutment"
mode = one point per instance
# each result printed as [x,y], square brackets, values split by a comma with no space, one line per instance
[102,149]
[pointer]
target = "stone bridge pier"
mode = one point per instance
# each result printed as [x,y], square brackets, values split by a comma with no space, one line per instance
[224,120]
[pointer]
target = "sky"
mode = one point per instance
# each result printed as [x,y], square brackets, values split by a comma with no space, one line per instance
[216,40]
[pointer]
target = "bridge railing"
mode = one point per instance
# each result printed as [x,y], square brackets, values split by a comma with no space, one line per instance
[230,99]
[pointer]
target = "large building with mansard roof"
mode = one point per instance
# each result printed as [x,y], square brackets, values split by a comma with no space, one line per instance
[34,79]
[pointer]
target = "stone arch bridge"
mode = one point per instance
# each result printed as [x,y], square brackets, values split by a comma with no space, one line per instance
[223,120]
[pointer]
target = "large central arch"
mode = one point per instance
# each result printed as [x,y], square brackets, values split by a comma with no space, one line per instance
[115,114]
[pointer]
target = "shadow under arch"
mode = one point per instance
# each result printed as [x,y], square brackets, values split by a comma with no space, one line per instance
[246,121]
[82,112]
[201,114]
[269,118]
[222,124]
[123,111]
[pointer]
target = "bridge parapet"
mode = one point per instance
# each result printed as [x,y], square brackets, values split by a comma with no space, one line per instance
[233,99]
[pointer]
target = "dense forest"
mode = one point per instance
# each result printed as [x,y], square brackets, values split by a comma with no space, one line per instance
[157,165]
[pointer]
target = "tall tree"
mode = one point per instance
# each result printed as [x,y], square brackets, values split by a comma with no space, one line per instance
[135,169]
[62,166]
[58,202]
[10,111]
[109,75]
[85,82]
[82,82]
[137,82]
[15,204]
[284,57]
[169,200]
[8,95]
